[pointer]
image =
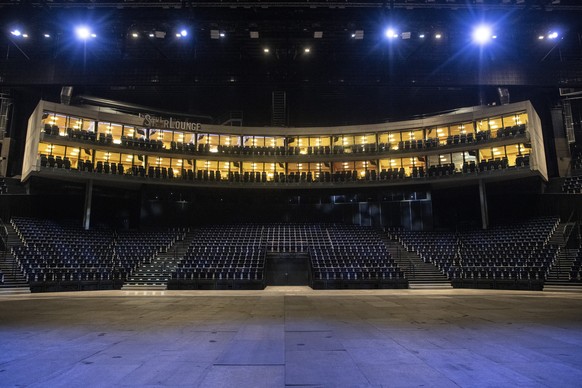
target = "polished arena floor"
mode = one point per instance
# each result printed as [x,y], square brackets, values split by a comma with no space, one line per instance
[292,337]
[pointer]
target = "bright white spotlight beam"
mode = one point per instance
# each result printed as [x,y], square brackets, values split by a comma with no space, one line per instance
[482,34]
[391,33]
[83,32]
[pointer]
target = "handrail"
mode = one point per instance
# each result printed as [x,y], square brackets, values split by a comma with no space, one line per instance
[4,235]
[566,234]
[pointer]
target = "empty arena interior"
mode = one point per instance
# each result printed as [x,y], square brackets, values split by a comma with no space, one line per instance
[268,194]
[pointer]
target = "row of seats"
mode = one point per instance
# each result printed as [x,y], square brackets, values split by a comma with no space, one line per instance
[511,131]
[141,142]
[3,187]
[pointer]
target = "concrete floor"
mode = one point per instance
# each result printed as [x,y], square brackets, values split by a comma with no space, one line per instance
[292,337]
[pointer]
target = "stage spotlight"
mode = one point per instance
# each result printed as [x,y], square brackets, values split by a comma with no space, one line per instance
[266,50]
[84,33]
[134,35]
[421,36]
[482,34]
[391,33]
[16,32]
[438,36]
[307,50]
[47,35]
[553,35]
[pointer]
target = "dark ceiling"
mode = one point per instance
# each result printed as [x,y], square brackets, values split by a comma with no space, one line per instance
[206,73]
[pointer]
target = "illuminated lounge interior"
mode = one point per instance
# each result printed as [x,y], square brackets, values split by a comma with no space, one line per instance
[299,193]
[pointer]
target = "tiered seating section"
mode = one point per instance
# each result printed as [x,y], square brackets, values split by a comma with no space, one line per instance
[293,238]
[515,256]
[576,152]
[576,270]
[223,257]
[3,187]
[572,185]
[353,257]
[61,257]
[233,256]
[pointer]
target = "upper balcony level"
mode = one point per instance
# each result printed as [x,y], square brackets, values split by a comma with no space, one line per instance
[469,140]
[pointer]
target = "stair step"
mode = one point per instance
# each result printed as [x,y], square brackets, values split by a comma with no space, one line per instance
[429,286]
[143,287]
[14,290]
[563,287]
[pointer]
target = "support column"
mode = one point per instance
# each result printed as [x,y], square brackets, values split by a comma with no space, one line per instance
[483,199]
[87,208]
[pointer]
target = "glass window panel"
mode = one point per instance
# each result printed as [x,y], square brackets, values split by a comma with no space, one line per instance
[259,141]
[498,152]
[442,133]
[128,131]
[431,133]
[384,164]
[467,128]
[455,130]
[419,161]
[457,159]
[114,157]
[100,156]
[520,118]
[73,155]
[51,119]
[347,140]
[116,131]
[293,167]
[482,125]
[395,163]
[88,125]
[433,160]
[495,123]
[485,154]
[444,158]
[512,152]
[270,141]
[394,138]
[470,156]
[127,160]
[187,138]
[383,138]
[303,144]
[45,148]
[103,128]
[252,166]
[279,142]
[178,136]
[343,166]
[212,139]
[407,164]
